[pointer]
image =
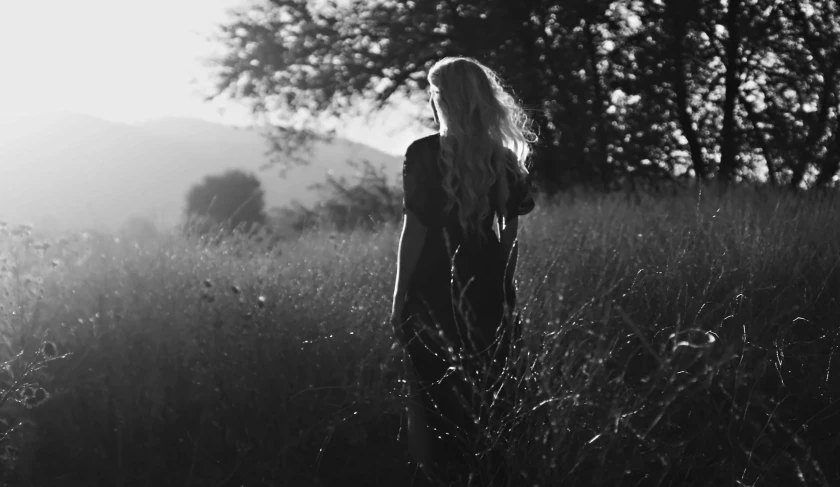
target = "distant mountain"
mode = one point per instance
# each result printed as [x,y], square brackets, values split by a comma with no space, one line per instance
[74,171]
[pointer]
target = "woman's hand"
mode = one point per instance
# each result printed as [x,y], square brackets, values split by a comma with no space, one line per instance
[396,315]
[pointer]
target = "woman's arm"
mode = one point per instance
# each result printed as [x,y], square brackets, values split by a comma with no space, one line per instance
[510,250]
[412,239]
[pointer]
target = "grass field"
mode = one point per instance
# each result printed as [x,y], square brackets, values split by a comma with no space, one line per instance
[684,340]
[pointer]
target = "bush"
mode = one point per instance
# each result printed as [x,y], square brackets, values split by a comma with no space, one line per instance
[233,200]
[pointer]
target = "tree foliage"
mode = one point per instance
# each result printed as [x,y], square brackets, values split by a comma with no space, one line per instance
[232,199]
[364,202]
[737,89]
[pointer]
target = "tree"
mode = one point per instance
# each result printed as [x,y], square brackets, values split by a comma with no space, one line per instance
[704,88]
[367,52]
[728,155]
[792,86]
[231,199]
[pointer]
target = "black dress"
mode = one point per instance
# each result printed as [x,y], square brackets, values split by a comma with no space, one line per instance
[457,327]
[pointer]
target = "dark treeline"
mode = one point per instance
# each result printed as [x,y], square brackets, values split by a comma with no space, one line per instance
[705,89]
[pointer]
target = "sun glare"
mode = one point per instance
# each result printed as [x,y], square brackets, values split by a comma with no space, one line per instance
[129,61]
[116,59]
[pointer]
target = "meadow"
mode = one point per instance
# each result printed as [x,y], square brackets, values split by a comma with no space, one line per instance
[683,339]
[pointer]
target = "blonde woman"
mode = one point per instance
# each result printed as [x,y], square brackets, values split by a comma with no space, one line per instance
[465,188]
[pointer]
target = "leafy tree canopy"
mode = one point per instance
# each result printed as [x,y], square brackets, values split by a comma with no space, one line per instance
[737,89]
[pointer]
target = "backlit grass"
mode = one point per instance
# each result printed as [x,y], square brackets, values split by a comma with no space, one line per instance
[687,340]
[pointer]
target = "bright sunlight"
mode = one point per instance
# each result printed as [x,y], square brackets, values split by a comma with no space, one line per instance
[118,60]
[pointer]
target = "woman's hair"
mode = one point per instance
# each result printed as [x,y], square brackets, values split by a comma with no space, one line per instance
[484,132]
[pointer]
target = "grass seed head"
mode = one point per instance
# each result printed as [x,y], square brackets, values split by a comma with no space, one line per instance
[33,396]
[48,349]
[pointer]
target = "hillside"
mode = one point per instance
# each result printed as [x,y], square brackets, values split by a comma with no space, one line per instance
[76,171]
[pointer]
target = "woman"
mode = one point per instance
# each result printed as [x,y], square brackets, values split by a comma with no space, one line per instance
[465,188]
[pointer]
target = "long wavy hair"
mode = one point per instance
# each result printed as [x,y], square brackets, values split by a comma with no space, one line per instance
[484,132]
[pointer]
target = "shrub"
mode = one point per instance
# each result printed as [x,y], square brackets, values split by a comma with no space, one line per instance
[233,199]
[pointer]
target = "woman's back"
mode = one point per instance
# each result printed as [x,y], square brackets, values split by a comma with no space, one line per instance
[452,258]
[454,289]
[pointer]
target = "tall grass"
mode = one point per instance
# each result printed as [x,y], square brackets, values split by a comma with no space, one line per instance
[684,340]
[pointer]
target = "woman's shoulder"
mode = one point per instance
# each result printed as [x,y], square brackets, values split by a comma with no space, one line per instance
[425,143]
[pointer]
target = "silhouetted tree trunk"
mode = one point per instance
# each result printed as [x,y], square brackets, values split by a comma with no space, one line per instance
[830,163]
[599,105]
[676,11]
[758,136]
[816,132]
[728,156]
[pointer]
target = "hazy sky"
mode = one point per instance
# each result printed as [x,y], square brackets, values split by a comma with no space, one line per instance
[126,61]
